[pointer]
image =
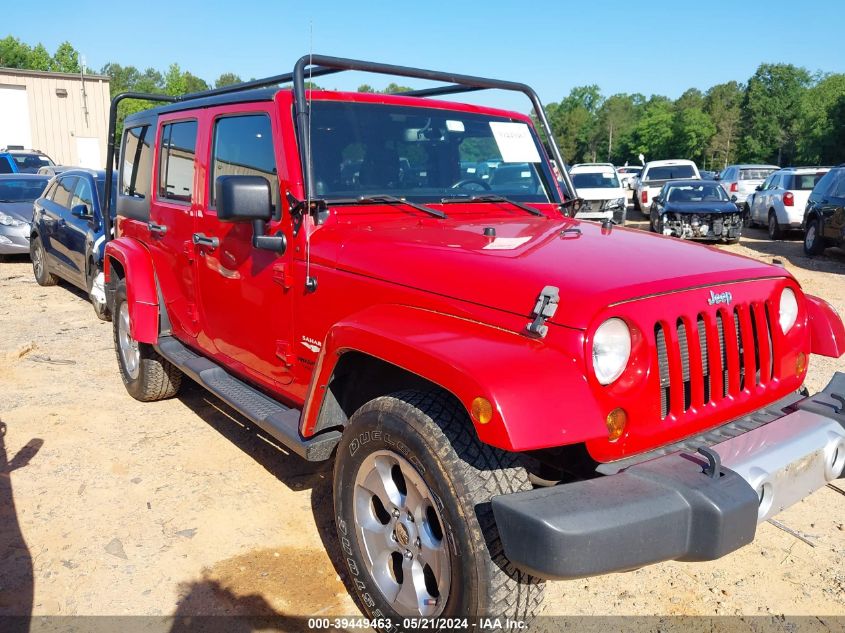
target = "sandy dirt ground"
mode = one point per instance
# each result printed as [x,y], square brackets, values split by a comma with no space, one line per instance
[113,507]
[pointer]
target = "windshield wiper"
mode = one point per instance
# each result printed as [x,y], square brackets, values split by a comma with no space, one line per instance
[386,199]
[493,198]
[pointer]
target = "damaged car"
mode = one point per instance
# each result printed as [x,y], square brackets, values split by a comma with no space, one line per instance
[696,210]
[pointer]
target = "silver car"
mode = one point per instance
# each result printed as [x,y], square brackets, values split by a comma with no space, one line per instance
[743,180]
[17,193]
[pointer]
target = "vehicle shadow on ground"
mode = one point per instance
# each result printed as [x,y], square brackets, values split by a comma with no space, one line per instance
[290,469]
[792,250]
[16,571]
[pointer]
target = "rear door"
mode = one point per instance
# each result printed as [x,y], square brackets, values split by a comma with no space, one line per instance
[171,221]
[244,304]
[56,214]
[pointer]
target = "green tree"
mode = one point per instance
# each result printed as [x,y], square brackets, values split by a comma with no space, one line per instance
[817,142]
[654,132]
[366,88]
[66,59]
[175,82]
[723,103]
[227,79]
[194,83]
[693,130]
[39,58]
[770,113]
[617,118]
[13,53]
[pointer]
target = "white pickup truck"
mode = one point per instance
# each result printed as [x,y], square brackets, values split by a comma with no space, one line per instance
[655,173]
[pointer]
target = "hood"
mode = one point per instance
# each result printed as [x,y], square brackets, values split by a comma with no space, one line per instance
[592,267]
[603,193]
[18,210]
[700,207]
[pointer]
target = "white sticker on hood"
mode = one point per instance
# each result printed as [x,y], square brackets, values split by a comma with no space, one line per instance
[515,142]
[505,243]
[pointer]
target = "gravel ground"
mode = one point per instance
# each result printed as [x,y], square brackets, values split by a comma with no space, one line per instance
[114,507]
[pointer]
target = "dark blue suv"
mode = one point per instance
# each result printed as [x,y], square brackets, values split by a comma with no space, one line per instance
[23,161]
[68,238]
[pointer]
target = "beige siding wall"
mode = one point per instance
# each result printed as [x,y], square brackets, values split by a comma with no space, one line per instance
[57,121]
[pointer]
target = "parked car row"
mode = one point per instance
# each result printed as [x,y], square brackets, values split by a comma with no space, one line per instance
[59,223]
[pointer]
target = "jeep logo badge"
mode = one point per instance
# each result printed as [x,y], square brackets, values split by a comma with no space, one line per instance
[721,297]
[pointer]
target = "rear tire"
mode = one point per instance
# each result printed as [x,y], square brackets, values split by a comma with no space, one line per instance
[451,553]
[813,241]
[775,232]
[146,375]
[40,267]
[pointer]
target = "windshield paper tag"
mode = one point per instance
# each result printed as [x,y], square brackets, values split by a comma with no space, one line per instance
[505,243]
[515,142]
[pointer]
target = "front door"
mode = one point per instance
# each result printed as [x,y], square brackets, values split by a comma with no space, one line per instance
[244,305]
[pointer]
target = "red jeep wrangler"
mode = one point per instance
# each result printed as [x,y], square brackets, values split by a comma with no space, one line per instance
[395,282]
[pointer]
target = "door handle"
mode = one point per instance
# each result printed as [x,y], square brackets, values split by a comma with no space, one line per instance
[200,239]
[157,229]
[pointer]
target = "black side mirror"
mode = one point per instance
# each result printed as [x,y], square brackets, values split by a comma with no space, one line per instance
[734,198]
[758,188]
[248,199]
[717,177]
[81,211]
[243,198]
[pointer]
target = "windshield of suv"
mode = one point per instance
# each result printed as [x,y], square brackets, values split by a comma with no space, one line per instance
[31,163]
[669,172]
[424,154]
[21,189]
[705,192]
[595,180]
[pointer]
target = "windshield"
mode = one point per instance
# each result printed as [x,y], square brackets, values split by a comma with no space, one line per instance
[595,180]
[705,192]
[31,163]
[423,154]
[670,172]
[21,189]
[757,173]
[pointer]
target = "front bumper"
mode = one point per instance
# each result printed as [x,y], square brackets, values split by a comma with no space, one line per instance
[14,240]
[669,508]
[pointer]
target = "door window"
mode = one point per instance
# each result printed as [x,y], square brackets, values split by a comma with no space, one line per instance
[137,162]
[82,195]
[64,191]
[176,163]
[5,165]
[243,145]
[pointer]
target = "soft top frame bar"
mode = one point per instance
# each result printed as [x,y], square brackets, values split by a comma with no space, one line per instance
[310,66]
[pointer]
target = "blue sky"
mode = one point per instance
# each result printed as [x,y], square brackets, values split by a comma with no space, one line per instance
[633,46]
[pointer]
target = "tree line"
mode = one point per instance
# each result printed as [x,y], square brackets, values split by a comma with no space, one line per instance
[783,114]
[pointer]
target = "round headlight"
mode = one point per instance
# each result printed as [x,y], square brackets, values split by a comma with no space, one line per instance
[788,310]
[611,350]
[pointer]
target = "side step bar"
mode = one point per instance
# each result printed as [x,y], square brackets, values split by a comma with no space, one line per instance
[281,422]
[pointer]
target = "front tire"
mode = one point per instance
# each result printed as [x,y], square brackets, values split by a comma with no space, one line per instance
[40,267]
[146,375]
[412,485]
[813,240]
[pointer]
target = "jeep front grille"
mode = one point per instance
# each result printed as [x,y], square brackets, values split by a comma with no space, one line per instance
[712,355]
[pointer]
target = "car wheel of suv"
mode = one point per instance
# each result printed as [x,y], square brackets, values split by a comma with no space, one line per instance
[412,485]
[746,217]
[813,240]
[40,267]
[146,375]
[97,292]
[775,232]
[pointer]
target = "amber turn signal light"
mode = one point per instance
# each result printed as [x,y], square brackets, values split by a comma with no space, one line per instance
[800,363]
[616,421]
[482,410]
